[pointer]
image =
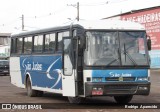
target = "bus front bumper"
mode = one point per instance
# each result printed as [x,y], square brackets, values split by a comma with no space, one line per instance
[117,88]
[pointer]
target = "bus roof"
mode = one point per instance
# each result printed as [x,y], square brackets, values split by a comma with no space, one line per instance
[90,25]
[111,24]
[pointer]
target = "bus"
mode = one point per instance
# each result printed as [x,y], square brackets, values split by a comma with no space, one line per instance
[83,59]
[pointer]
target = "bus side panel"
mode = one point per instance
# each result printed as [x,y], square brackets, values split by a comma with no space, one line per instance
[44,71]
[15,73]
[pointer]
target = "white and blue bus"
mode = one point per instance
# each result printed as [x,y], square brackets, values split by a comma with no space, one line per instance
[84,59]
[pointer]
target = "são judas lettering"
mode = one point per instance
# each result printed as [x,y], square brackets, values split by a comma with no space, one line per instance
[120,74]
[33,66]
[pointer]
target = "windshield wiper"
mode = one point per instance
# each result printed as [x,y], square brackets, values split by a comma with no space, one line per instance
[129,56]
[112,62]
[118,59]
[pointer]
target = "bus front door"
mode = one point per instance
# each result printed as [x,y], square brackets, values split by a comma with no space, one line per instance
[68,77]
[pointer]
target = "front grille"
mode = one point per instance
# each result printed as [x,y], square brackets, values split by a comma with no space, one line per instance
[120,89]
[117,79]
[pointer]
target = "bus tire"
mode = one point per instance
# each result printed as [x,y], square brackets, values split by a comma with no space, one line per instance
[76,100]
[123,99]
[30,91]
[39,93]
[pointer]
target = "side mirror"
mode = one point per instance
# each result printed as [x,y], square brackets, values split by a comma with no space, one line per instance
[149,43]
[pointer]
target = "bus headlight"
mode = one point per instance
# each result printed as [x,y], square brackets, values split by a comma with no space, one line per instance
[97,79]
[142,79]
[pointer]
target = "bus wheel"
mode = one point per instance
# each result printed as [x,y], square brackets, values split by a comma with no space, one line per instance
[123,99]
[76,100]
[39,93]
[30,92]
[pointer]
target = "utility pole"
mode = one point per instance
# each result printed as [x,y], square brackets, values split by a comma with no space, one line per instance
[77,11]
[77,7]
[22,22]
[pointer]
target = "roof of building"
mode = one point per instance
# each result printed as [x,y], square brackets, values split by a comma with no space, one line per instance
[5,34]
[133,11]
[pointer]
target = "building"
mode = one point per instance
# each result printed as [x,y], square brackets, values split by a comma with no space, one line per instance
[150,19]
[4,45]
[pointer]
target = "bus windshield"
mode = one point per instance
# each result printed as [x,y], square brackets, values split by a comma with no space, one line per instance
[116,48]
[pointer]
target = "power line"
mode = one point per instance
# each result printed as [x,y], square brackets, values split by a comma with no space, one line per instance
[9,23]
[95,4]
[47,14]
[77,6]
[102,3]
[60,10]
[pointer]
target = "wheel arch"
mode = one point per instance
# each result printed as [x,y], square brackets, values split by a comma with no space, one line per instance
[26,77]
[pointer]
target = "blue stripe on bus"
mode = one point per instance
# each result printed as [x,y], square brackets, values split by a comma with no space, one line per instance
[45,71]
[120,73]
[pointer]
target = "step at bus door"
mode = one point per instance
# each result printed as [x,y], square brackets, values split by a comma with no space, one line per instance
[68,77]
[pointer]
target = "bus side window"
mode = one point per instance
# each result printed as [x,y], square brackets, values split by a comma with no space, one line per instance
[19,42]
[27,45]
[60,36]
[59,47]
[50,42]
[38,43]
[12,45]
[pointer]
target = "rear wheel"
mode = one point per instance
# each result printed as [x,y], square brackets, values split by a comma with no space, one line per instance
[76,100]
[123,99]
[30,91]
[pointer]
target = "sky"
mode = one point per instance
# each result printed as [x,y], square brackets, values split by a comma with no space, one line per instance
[48,13]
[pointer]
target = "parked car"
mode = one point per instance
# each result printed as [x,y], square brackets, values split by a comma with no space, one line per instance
[4,67]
